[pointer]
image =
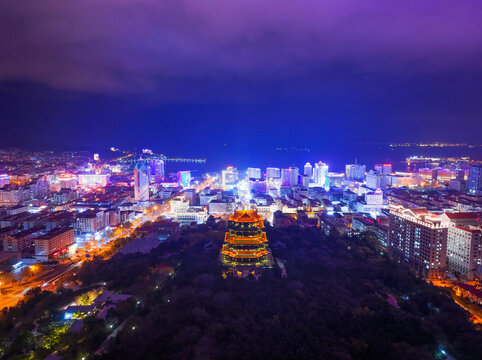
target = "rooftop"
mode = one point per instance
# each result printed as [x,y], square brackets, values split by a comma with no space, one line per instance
[245,216]
[54,232]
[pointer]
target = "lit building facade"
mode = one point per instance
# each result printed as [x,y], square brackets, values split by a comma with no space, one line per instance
[374,197]
[355,172]
[475,180]
[156,169]
[141,182]
[230,176]
[289,176]
[419,238]
[273,173]
[384,168]
[320,173]
[4,180]
[184,178]
[53,244]
[308,170]
[93,180]
[12,195]
[68,181]
[464,245]
[377,180]
[415,163]
[90,221]
[253,173]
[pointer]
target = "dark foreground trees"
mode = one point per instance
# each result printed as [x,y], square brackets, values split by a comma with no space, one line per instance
[332,305]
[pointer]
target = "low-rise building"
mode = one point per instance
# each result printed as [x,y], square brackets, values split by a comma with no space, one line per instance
[90,221]
[21,241]
[54,243]
[219,207]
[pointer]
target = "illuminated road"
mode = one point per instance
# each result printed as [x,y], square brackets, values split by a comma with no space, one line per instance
[48,277]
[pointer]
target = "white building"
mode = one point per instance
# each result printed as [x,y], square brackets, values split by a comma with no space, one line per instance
[217,207]
[179,204]
[11,195]
[355,172]
[253,173]
[464,245]
[294,173]
[273,173]
[376,180]
[194,214]
[90,221]
[374,197]
[308,170]
[67,181]
[229,176]
[93,180]
[320,173]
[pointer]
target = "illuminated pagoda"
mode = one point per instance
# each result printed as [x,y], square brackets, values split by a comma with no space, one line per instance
[245,248]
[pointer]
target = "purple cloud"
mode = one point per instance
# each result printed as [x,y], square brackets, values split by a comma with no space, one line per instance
[118,46]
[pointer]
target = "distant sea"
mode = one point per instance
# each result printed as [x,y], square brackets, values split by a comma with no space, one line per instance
[243,156]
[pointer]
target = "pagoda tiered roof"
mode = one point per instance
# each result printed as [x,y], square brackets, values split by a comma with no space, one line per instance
[246,216]
[245,240]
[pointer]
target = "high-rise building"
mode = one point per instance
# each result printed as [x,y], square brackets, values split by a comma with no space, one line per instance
[376,180]
[273,173]
[191,196]
[320,173]
[294,174]
[184,178]
[308,170]
[464,245]
[419,238]
[475,180]
[141,182]
[156,169]
[355,172]
[253,173]
[230,176]
[289,176]
[384,168]
[96,157]
[245,243]
[285,177]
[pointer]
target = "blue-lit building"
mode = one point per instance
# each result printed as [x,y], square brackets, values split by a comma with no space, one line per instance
[475,180]
[184,178]
[141,182]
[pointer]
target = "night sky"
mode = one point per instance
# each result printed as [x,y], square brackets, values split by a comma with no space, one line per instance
[188,76]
